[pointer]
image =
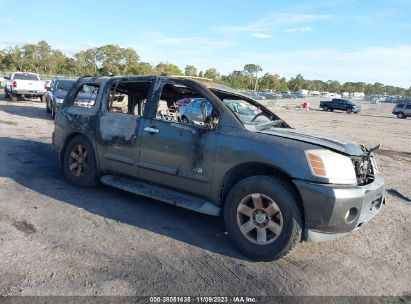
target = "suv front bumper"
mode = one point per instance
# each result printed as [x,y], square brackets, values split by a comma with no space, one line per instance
[326,207]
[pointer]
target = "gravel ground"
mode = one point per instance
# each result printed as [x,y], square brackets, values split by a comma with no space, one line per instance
[56,239]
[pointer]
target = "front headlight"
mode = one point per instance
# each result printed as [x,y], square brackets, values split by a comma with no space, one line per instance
[335,167]
[59,100]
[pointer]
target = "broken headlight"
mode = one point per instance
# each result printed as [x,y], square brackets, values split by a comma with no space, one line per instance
[335,167]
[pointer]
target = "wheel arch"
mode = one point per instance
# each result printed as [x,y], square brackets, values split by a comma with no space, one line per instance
[244,170]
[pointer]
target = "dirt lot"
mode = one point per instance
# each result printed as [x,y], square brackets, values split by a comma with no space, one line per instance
[56,239]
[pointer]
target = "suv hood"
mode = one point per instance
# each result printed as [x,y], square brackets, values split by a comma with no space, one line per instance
[352,149]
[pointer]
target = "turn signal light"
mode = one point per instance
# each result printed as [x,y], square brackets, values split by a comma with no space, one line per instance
[316,164]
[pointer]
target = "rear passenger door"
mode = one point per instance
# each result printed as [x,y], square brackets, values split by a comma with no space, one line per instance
[118,126]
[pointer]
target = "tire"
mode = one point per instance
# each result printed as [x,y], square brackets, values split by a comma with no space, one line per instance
[42,98]
[400,115]
[85,176]
[286,214]
[185,120]
[53,113]
[349,111]
[325,108]
[48,110]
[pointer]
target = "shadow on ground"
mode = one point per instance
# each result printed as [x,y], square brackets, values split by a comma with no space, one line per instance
[34,165]
[25,110]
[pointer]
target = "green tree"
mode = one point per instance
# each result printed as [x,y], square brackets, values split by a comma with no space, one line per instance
[190,70]
[334,86]
[296,83]
[212,74]
[168,68]
[252,70]
[141,68]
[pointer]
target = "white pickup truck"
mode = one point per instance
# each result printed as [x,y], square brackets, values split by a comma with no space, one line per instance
[27,84]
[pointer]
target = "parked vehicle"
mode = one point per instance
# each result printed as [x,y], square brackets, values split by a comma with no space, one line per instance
[56,93]
[194,112]
[27,84]
[287,95]
[273,185]
[402,110]
[182,102]
[340,104]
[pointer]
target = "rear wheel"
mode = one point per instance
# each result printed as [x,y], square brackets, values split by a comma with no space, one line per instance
[325,108]
[349,111]
[79,163]
[42,98]
[263,217]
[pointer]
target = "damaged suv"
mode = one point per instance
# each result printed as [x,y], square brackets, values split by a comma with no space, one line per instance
[273,185]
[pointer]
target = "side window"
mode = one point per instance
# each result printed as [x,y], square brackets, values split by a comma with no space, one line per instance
[408,107]
[86,95]
[196,110]
[128,97]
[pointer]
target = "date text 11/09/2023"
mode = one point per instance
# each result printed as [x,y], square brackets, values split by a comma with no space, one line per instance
[205,299]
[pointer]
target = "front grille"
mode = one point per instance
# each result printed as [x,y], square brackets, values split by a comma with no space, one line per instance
[364,170]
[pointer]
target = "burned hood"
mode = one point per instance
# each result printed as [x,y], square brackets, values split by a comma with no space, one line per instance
[352,149]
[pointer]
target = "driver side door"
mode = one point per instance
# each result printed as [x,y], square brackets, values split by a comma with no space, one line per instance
[173,154]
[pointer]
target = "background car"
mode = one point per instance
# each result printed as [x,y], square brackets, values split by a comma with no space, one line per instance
[56,93]
[182,102]
[244,112]
[192,112]
[402,110]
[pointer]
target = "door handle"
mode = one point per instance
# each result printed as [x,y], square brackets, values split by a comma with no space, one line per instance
[151,130]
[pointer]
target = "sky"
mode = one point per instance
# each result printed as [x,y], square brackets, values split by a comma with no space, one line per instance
[344,40]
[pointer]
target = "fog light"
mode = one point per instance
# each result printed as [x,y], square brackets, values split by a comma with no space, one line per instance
[350,215]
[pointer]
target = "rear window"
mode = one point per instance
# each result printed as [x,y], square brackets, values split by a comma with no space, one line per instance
[64,85]
[26,76]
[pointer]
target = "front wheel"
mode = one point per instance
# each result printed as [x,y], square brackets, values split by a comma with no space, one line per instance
[263,217]
[53,113]
[400,115]
[80,167]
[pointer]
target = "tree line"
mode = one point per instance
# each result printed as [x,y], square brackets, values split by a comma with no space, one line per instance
[111,59]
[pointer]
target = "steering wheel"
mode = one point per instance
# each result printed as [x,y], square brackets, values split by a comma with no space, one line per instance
[258,115]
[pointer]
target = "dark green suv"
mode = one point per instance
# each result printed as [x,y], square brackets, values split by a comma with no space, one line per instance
[273,185]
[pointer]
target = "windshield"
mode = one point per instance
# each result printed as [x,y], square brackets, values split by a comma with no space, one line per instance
[25,76]
[253,115]
[64,85]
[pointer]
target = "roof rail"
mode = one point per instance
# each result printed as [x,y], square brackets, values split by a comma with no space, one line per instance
[191,77]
